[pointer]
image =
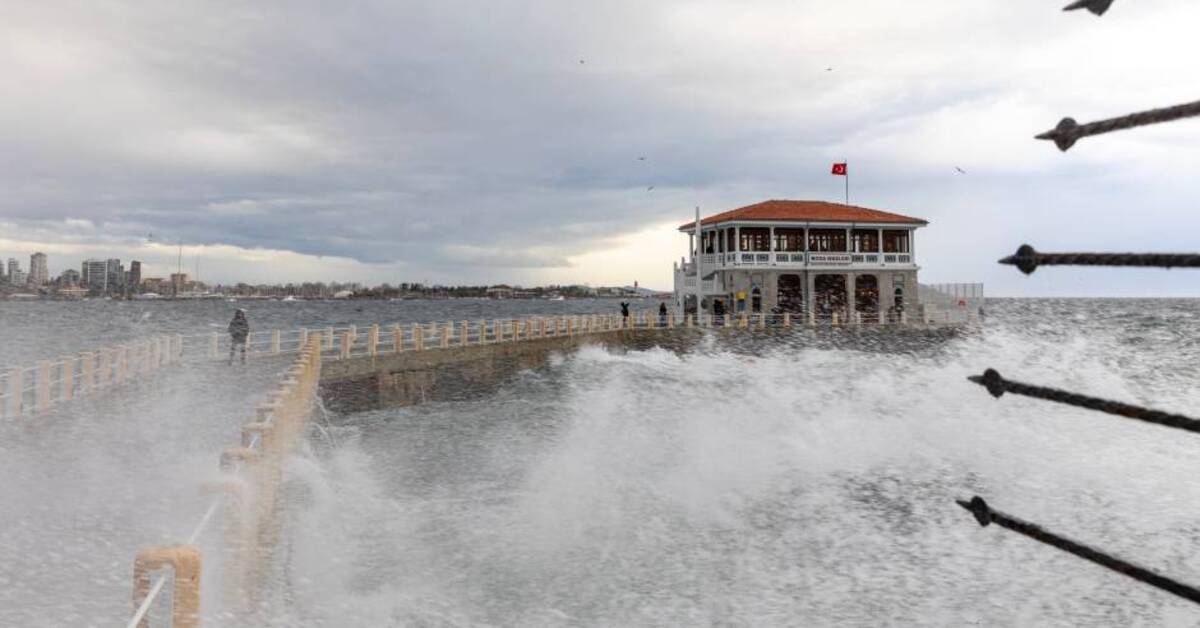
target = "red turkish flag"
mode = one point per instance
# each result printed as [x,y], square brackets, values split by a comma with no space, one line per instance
[839,169]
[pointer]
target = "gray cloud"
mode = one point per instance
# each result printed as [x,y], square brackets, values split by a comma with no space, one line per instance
[455,134]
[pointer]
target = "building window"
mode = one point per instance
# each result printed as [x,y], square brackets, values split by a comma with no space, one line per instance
[789,239]
[864,241]
[729,240]
[895,241]
[756,239]
[824,240]
[708,238]
[720,240]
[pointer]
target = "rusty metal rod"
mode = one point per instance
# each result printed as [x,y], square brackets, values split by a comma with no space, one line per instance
[997,386]
[1028,260]
[985,515]
[1097,7]
[1068,131]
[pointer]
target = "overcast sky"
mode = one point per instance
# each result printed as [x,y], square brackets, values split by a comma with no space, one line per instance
[476,142]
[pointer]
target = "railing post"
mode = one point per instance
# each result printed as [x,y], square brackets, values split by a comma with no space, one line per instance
[397,338]
[88,370]
[347,343]
[105,367]
[329,338]
[762,320]
[903,317]
[41,384]
[213,349]
[857,317]
[154,353]
[835,319]
[447,332]
[464,333]
[497,330]
[274,342]
[303,339]
[185,598]
[13,393]
[120,363]
[67,384]
[373,340]
[418,334]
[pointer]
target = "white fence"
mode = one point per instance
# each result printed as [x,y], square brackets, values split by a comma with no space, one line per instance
[35,389]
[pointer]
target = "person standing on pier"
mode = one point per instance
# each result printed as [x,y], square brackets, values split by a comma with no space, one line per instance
[662,314]
[625,314]
[239,331]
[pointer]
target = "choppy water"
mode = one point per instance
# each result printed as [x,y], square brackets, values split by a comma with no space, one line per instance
[801,483]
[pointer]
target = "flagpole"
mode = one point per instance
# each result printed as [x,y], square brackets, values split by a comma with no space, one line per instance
[699,274]
[847,181]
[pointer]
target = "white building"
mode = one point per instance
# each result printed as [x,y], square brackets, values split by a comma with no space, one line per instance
[799,257]
[39,272]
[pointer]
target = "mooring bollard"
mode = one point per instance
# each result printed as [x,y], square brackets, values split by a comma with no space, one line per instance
[373,340]
[184,560]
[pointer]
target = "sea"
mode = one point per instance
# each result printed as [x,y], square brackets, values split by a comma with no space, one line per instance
[784,479]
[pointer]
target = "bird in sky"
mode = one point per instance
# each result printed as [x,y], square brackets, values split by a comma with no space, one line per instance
[960,170]
[641,159]
[651,188]
[828,69]
[581,62]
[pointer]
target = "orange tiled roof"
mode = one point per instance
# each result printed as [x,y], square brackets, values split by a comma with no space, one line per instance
[806,211]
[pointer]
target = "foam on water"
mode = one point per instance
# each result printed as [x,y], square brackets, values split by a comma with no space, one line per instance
[760,485]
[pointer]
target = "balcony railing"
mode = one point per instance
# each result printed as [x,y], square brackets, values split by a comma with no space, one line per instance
[797,259]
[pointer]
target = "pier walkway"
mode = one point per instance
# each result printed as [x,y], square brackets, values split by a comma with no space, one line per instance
[158,444]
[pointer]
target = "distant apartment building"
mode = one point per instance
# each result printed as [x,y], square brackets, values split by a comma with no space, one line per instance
[13,267]
[133,278]
[69,277]
[94,273]
[39,272]
[157,285]
[179,282]
[116,276]
[18,277]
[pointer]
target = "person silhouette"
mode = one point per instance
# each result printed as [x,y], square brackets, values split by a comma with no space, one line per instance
[239,331]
